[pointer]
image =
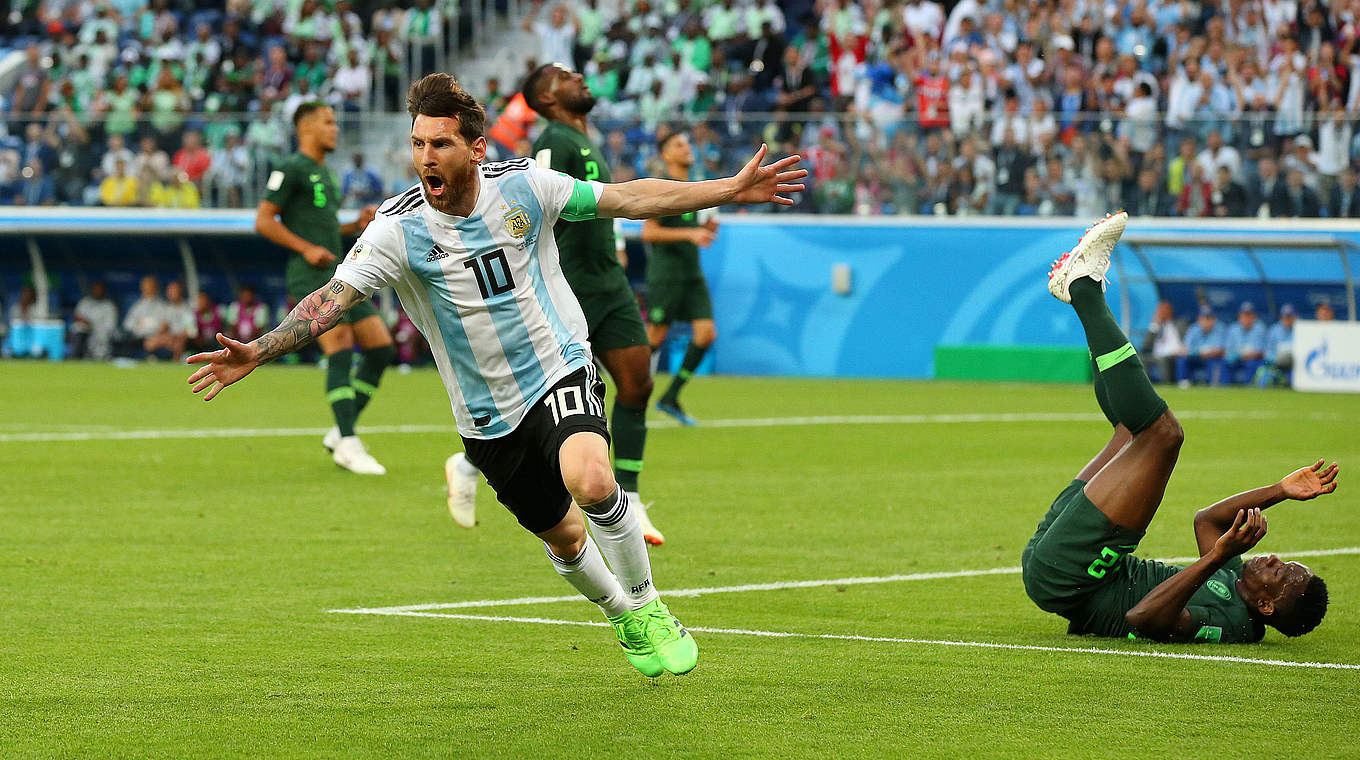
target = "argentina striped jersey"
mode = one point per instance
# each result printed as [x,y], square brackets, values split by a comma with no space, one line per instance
[485,290]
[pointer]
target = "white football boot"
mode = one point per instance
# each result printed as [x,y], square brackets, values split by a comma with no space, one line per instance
[649,532]
[351,455]
[462,491]
[331,439]
[1089,258]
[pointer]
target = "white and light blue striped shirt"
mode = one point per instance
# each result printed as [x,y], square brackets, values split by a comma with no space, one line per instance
[487,290]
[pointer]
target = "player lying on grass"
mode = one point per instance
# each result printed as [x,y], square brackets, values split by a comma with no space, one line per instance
[471,254]
[1078,564]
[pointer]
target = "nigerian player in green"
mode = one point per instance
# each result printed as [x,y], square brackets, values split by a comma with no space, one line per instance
[676,289]
[300,213]
[590,262]
[1079,563]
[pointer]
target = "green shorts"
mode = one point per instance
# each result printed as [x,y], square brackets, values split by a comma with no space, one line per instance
[613,319]
[303,279]
[1074,552]
[678,300]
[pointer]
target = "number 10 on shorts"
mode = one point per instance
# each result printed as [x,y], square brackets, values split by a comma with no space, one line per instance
[565,402]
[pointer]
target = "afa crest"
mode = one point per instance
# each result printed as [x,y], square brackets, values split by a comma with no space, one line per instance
[517,222]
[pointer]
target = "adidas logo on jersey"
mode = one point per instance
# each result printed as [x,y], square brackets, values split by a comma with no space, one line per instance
[436,254]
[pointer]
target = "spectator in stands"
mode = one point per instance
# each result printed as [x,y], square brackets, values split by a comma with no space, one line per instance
[1245,347]
[1149,196]
[1196,199]
[351,85]
[1205,344]
[176,324]
[1344,200]
[1301,157]
[94,324]
[1268,194]
[192,158]
[361,185]
[119,189]
[115,151]
[1298,199]
[275,77]
[34,84]
[1280,347]
[1228,197]
[176,192]
[228,173]
[556,34]
[1324,312]
[247,316]
[36,188]
[208,319]
[167,106]
[1163,343]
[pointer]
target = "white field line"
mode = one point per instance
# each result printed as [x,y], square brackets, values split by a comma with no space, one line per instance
[896,640]
[105,434]
[776,586]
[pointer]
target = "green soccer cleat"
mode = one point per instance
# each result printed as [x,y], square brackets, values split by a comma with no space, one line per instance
[637,648]
[675,648]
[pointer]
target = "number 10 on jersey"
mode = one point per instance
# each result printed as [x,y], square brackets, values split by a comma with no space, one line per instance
[493,273]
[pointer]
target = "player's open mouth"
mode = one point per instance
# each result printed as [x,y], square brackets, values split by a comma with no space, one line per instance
[435,184]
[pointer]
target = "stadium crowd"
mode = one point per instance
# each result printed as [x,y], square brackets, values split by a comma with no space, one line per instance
[1165,107]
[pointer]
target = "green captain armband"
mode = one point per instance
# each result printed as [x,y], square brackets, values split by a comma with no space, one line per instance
[582,204]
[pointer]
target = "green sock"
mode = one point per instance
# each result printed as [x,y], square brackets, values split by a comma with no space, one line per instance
[369,375]
[693,355]
[630,438]
[1102,394]
[339,391]
[1129,393]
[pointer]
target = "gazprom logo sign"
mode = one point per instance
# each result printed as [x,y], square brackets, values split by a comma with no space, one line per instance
[1327,356]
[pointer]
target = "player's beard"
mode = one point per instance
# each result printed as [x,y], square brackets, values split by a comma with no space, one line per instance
[580,105]
[454,188]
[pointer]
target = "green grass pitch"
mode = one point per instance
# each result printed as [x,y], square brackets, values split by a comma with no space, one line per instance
[169,596]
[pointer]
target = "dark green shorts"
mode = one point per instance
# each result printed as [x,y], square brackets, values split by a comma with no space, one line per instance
[678,300]
[304,280]
[1074,551]
[613,319]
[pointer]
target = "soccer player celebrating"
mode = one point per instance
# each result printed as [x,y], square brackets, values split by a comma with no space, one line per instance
[298,212]
[1078,564]
[676,289]
[471,254]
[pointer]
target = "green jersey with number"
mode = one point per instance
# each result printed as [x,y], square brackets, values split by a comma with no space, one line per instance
[308,198]
[589,259]
[1218,612]
[675,260]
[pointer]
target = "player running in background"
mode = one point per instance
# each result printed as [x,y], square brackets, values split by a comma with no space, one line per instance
[471,254]
[676,289]
[1078,564]
[299,212]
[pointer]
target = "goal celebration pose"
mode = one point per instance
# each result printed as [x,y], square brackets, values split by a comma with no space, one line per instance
[1078,564]
[470,252]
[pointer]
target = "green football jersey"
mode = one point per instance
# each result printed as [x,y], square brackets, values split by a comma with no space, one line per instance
[308,197]
[1218,612]
[675,260]
[589,259]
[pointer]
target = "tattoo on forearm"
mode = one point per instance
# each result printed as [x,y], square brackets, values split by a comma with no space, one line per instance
[314,315]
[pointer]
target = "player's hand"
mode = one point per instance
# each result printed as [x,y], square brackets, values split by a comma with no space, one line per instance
[318,256]
[1310,482]
[223,367]
[1248,528]
[711,224]
[366,215]
[702,237]
[763,184]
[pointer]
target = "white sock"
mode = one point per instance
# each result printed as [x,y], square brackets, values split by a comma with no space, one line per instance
[615,526]
[466,468]
[588,574]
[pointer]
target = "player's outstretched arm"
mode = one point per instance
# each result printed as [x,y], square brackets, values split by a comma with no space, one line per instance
[314,315]
[648,198]
[1161,615]
[1300,485]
